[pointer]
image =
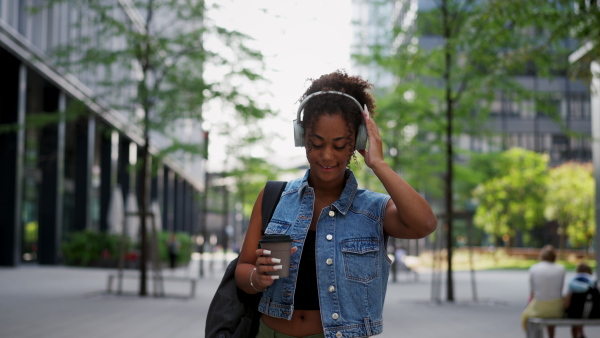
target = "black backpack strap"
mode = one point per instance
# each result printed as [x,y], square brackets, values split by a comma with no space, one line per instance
[271,195]
[232,312]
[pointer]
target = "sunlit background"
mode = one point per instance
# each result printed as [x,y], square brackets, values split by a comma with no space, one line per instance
[299,40]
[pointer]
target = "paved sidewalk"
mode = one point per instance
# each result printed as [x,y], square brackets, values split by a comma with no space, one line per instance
[64,302]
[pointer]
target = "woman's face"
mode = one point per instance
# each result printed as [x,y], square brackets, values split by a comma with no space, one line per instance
[328,148]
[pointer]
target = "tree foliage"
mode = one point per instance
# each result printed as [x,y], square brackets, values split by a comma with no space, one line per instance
[449,66]
[514,199]
[250,179]
[570,201]
[457,58]
[479,168]
[149,59]
[550,23]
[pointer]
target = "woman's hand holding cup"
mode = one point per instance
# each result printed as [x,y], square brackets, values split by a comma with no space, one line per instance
[273,260]
[265,266]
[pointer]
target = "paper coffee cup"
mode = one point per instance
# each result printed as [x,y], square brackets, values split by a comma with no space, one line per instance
[280,246]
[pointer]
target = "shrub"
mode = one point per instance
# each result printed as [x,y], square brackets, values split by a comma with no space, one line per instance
[92,248]
[185,247]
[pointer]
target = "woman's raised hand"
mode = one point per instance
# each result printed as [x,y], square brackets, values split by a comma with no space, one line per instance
[374,152]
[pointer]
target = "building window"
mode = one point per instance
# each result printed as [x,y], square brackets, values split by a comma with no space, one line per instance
[526,107]
[514,140]
[581,148]
[543,142]
[560,148]
[580,106]
[547,106]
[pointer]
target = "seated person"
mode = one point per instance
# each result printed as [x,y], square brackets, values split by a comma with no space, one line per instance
[577,293]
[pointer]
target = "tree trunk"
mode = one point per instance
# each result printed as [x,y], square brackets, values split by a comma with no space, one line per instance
[561,241]
[449,151]
[144,96]
[587,247]
[143,208]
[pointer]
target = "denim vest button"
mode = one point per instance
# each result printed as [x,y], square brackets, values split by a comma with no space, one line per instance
[338,334]
[331,213]
[329,237]
[331,288]
[335,316]
[329,261]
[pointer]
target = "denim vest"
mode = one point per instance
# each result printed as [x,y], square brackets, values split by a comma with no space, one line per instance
[351,258]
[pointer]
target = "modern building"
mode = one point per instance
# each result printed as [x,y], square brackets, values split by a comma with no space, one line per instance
[58,177]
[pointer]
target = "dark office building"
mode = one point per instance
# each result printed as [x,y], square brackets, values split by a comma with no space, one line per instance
[58,177]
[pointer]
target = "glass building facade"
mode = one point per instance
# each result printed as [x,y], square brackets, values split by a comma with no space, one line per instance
[58,170]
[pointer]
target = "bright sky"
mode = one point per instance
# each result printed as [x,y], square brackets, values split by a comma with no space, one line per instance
[300,40]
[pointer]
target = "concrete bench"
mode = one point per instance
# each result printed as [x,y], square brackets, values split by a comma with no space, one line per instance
[158,293]
[535,326]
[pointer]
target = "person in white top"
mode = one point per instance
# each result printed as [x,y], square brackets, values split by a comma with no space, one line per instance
[546,280]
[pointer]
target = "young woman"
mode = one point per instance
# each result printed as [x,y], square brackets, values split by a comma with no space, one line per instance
[339,266]
[546,279]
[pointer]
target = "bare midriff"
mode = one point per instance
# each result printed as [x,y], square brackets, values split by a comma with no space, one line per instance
[303,323]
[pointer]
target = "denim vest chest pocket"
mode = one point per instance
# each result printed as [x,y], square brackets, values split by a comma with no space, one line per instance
[361,258]
[277,226]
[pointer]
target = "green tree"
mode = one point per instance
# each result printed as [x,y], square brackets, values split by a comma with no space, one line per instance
[514,199]
[558,28]
[161,46]
[582,20]
[479,168]
[250,178]
[450,66]
[570,201]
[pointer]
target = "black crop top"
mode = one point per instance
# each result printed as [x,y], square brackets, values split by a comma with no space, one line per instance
[307,294]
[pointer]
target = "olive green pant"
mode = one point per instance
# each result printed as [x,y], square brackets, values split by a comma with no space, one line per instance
[266,332]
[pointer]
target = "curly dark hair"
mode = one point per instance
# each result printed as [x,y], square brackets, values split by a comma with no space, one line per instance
[333,104]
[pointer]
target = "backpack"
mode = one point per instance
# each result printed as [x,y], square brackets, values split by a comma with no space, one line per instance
[585,304]
[232,312]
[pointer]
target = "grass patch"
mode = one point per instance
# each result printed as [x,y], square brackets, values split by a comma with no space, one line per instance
[497,260]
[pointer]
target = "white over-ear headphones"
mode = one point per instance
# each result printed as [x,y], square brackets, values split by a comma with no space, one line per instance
[361,137]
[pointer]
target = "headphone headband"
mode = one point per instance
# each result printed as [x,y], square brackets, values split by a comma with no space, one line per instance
[361,135]
[303,103]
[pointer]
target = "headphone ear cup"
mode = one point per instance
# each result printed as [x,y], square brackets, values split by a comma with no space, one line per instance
[361,138]
[298,134]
